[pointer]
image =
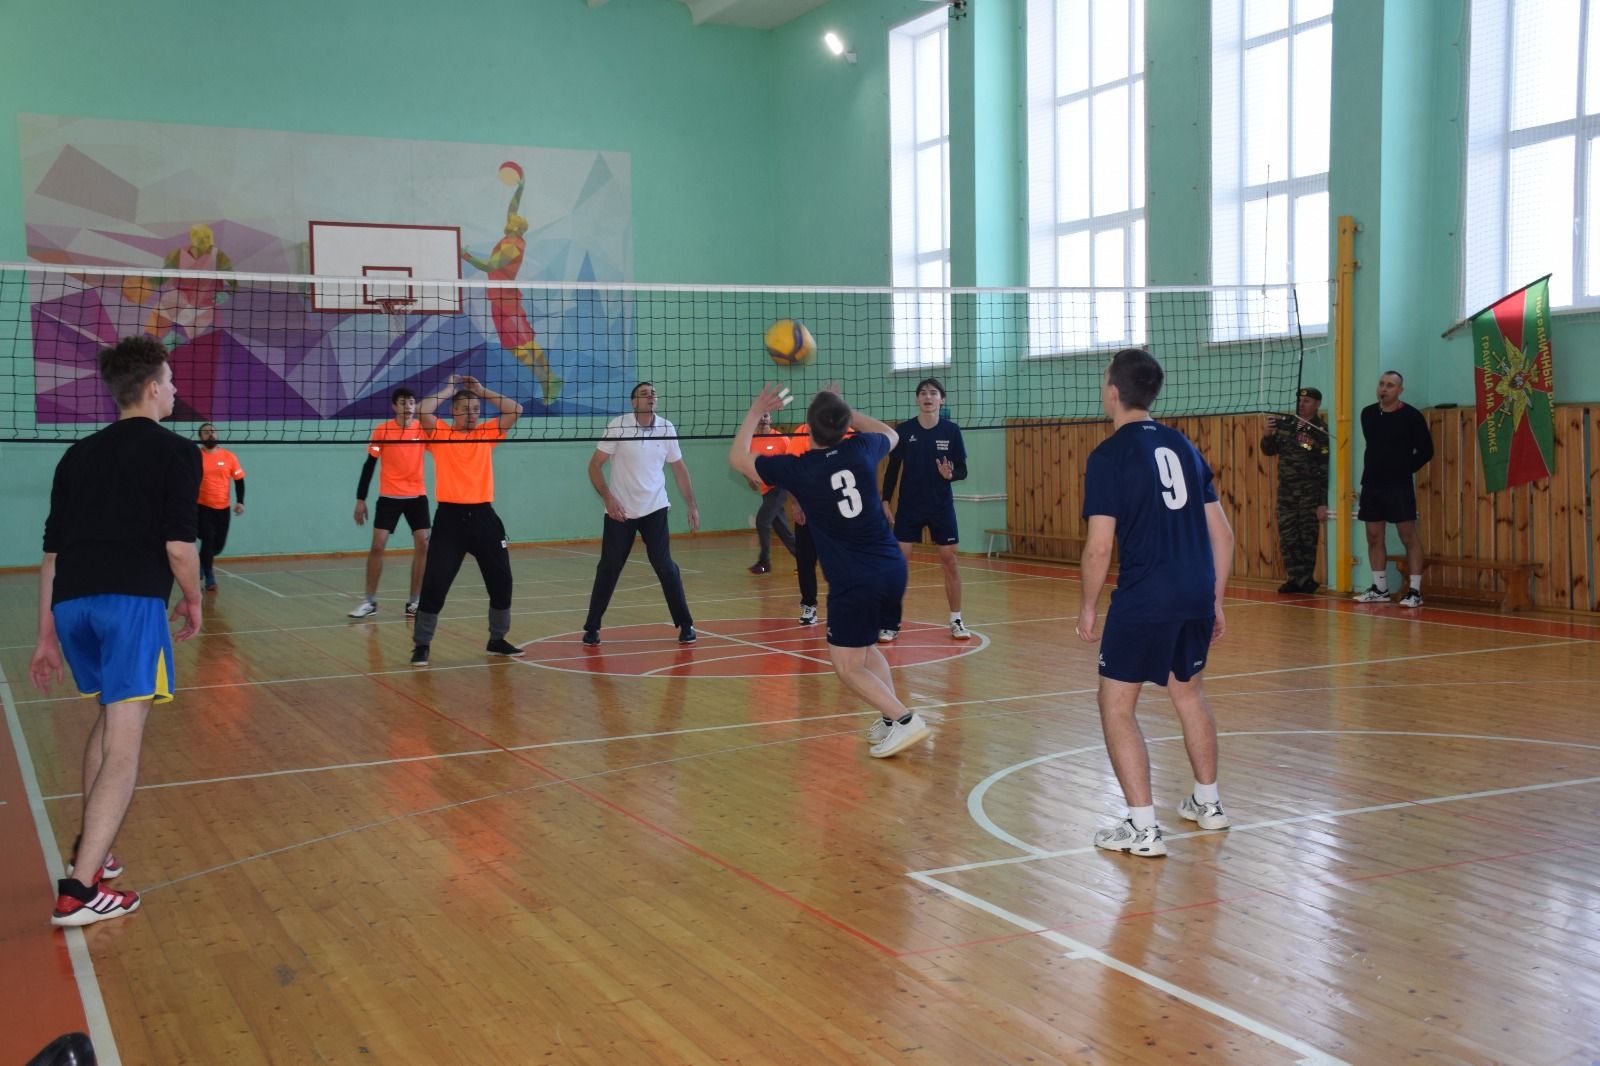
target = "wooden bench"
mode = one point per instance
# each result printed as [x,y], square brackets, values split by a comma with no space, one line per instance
[1074,545]
[1513,594]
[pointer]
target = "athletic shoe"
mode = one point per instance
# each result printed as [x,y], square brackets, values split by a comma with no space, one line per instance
[411,608]
[959,630]
[886,636]
[501,646]
[211,586]
[687,635]
[1372,595]
[760,568]
[878,729]
[901,736]
[419,655]
[1124,837]
[591,637]
[1412,598]
[102,903]
[109,869]
[808,614]
[367,607]
[1209,815]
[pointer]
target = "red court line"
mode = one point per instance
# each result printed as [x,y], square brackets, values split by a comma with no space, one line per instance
[41,998]
[590,794]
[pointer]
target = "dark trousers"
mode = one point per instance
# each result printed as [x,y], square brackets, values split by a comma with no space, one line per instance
[616,544]
[770,520]
[1298,530]
[805,559]
[211,529]
[460,530]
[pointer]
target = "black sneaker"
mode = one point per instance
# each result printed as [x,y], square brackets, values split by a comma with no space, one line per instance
[501,646]
[687,635]
[591,637]
[419,655]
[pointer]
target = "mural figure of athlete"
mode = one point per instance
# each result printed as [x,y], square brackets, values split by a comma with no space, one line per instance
[505,305]
[186,310]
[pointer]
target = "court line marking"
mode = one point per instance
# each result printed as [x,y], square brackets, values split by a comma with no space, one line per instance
[1077,949]
[236,576]
[83,973]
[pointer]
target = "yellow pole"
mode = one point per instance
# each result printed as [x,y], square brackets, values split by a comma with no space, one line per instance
[1343,385]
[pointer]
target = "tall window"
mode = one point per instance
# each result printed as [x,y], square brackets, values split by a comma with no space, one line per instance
[1272,83]
[919,163]
[1533,152]
[1085,172]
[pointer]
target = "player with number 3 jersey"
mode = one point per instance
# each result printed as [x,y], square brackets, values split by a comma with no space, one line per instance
[835,483]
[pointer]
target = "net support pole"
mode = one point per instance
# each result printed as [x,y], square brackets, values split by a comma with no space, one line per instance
[1340,554]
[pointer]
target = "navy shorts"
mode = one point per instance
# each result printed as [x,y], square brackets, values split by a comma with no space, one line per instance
[1388,503]
[119,647]
[1136,651]
[940,523]
[390,508]
[858,610]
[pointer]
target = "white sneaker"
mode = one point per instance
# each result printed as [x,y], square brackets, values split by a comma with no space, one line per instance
[367,607]
[808,614]
[1372,595]
[1412,598]
[959,630]
[411,608]
[1124,837]
[1209,815]
[877,730]
[886,636]
[901,736]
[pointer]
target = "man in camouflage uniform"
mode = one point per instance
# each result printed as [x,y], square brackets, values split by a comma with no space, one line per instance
[1300,441]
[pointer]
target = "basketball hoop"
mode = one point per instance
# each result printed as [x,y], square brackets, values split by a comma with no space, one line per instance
[395,308]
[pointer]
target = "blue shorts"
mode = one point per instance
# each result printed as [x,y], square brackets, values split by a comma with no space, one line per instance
[119,647]
[940,523]
[1154,651]
[857,611]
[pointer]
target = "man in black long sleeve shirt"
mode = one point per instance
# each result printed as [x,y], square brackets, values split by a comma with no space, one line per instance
[1398,445]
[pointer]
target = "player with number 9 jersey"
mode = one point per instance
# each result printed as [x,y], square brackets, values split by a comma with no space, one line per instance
[1150,478]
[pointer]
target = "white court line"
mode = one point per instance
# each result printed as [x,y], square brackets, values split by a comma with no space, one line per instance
[236,576]
[94,1007]
[1078,949]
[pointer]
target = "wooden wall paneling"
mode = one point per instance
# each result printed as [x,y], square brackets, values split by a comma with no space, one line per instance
[1575,474]
[1592,528]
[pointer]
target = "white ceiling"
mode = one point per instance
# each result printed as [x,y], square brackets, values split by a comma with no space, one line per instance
[750,14]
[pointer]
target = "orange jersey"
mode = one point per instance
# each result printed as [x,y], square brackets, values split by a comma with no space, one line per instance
[463,461]
[770,443]
[217,467]
[400,467]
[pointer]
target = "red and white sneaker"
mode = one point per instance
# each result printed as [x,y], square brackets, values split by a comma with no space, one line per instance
[73,910]
[111,868]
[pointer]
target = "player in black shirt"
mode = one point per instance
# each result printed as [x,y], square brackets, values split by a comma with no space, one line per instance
[121,528]
[1398,445]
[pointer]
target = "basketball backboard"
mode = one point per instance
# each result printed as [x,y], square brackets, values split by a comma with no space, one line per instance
[400,259]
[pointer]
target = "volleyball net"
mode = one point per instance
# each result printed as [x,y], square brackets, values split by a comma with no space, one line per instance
[314,359]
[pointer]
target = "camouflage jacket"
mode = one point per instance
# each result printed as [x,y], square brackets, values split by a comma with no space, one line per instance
[1302,453]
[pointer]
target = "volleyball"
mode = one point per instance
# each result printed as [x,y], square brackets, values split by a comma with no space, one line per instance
[510,173]
[789,342]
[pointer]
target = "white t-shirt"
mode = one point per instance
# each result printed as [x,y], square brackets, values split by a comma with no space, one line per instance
[639,455]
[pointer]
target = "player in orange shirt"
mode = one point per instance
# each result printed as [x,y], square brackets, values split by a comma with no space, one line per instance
[217,467]
[401,444]
[465,522]
[769,518]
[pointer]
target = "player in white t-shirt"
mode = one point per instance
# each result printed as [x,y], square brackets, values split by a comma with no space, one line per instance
[639,446]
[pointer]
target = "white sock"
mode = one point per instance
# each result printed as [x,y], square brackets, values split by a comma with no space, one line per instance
[1142,817]
[1206,793]
[1381,581]
[955,616]
[1416,582]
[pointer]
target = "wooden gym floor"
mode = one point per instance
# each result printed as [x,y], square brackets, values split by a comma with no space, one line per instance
[641,853]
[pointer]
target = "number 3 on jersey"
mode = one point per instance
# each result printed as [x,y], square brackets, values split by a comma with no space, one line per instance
[845,482]
[1176,493]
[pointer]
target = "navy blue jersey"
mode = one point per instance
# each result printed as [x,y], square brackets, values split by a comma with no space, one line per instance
[837,488]
[1155,484]
[923,490]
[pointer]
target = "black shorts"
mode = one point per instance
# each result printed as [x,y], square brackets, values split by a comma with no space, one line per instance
[939,522]
[1135,651]
[1388,503]
[859,610]
[390,508]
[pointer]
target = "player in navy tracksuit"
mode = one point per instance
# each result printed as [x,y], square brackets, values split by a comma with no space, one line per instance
[928,458]
[836,484]
[1148,489]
